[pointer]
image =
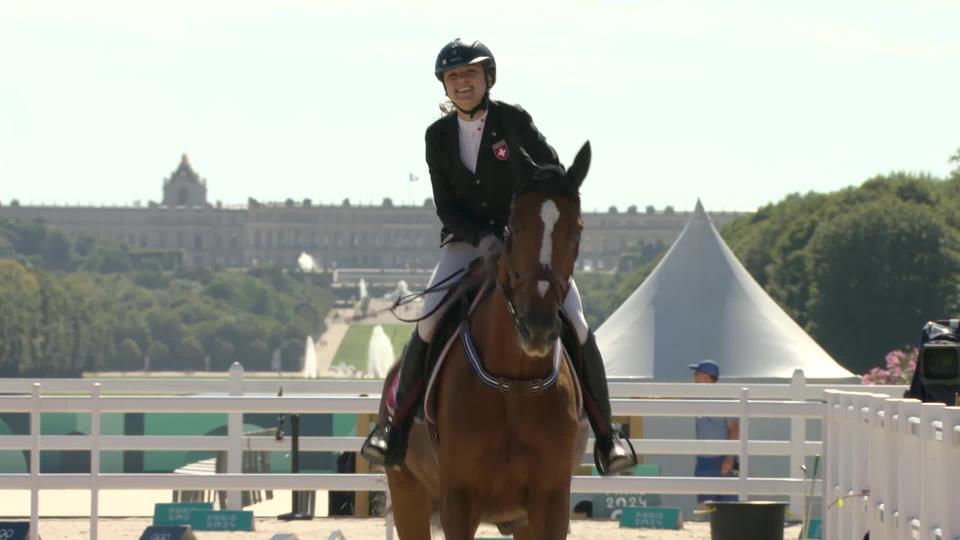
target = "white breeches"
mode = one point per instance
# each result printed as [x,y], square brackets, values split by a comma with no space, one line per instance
[457,255]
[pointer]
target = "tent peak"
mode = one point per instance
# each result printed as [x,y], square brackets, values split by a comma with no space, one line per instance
[699,214]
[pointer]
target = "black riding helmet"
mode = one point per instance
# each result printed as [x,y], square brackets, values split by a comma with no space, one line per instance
[456,54]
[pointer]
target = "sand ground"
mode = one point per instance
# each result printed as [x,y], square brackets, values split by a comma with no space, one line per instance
[64,515]
[355,529]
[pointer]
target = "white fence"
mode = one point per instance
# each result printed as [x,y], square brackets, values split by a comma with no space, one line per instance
[237,395]
[892,467]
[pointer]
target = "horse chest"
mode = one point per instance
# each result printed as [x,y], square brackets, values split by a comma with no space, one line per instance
[511,431]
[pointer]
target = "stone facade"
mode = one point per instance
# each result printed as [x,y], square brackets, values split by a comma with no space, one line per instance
[336,236]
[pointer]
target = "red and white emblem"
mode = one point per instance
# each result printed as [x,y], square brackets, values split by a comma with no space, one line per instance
[501,150]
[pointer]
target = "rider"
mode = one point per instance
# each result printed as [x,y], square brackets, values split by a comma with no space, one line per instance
[467,154]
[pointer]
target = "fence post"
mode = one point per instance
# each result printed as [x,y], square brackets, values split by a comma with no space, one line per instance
[798,436]
[951,440]
[931,468]
[744,437]
[235,436]
[35,462]
[876,464]
[830,457]
[908,478]
[890,420]
[861,459]
[95,462]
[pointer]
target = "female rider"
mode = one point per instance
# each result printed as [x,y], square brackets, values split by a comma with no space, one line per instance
[467,155]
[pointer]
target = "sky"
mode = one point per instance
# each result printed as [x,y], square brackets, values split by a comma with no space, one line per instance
[739,103]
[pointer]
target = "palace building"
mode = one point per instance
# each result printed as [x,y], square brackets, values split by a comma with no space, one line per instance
[383,237]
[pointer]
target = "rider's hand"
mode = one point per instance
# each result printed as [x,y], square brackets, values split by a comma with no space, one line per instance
[489,246]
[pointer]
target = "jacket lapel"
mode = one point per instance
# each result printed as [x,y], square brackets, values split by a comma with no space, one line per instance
[491,134]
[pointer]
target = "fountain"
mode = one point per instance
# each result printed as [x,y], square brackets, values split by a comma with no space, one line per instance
[402,289]
[306,263]
[379,354]
[362,289]
[309,360]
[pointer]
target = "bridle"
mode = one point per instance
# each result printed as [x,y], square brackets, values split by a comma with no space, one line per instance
[541,272]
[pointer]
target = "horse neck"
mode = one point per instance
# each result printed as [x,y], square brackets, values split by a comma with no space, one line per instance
[499,346]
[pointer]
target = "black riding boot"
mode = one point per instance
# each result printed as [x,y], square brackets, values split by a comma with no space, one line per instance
[612,452]
[387,444]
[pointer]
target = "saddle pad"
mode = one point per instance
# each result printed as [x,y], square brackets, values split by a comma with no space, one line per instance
[395,382]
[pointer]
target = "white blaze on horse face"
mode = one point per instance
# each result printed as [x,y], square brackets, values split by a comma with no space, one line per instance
[549,214]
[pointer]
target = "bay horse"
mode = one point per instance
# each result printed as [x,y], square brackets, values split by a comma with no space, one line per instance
[508,431]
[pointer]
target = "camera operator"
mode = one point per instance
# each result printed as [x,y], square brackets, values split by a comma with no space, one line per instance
[936,378]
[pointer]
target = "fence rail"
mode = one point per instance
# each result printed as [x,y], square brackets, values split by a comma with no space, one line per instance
[237,395]
[892,467]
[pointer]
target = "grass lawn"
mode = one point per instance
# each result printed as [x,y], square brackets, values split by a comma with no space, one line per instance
[353,348]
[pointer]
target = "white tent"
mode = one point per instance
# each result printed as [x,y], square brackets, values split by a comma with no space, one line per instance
[700,303]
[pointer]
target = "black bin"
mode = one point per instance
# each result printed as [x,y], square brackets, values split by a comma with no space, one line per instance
[747,520]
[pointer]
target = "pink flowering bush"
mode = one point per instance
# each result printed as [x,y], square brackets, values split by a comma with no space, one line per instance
[900,366]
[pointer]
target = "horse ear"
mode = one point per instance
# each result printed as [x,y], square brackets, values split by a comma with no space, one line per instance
[581,164]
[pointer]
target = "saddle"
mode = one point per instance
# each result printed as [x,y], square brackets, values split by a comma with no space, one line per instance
[447,334]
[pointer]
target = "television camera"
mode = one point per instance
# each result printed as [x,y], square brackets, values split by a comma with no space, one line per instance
[937,375]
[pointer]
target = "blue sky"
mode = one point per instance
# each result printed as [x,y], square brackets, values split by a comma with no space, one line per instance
[736,102]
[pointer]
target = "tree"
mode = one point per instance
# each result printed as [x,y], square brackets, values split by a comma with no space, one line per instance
[129,356]
[19,316]
[56,252]
[878,272]
[159,356]
[291,355]
[189,354]
[165,326]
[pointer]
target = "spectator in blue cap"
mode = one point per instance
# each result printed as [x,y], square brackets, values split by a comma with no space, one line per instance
[712,428]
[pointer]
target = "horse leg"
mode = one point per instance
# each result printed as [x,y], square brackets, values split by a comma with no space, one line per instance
[548,516]
[412,505]
[458,521]
[524,533]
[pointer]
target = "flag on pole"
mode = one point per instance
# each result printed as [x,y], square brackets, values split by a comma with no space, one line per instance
[413,177]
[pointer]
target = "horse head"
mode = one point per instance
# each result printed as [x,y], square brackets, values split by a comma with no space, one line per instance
[541,243]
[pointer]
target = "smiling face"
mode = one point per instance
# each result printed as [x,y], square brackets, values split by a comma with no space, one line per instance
[465,85]
[538,263]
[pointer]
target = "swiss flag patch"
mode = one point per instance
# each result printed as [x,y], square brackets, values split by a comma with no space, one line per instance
[501,150]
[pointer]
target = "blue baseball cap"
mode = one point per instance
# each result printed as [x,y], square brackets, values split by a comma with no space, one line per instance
[707,366]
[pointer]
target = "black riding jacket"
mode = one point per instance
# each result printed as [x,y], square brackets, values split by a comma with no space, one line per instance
[470,205]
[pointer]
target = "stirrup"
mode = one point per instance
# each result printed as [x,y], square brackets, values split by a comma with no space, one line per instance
[619,457]
[374,447]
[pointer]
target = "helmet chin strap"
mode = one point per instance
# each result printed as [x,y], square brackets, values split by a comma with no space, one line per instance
[480,106]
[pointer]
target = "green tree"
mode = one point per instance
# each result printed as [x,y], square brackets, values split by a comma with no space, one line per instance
[189,354]
[57,253]
[129,356]
[165,325]
[19,317]
[878,272]
[159,356]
